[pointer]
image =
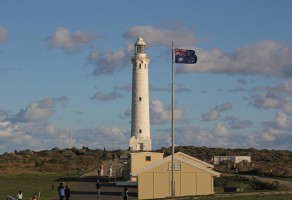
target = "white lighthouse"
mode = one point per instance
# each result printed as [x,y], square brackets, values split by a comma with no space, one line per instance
[140,121]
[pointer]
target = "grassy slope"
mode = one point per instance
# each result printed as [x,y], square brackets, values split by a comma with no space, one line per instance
[30,184]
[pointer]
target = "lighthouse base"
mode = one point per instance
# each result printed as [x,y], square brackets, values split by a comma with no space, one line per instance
[140,144]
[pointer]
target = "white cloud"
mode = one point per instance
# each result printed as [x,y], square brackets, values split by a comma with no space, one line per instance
[210,115]
[278,97]
[214,113]
[270,134]
[100,96]
[160,140]
[286,106]
[3,34]
[7,129]
[126,114]
[39,111]
[158,36]
[224,107]
[283,121]
[236,123]
[160,113]
[264,58]
[40,135]
[70,41]
[266,101]
[110,62]
[221,130]
[285,87]
[103,136]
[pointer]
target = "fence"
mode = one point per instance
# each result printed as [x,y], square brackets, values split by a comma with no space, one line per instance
[10,198]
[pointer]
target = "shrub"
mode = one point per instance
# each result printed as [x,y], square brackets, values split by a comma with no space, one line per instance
[262,185]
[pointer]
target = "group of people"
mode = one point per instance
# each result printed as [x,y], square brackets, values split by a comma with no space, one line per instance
[64,191]
[100,170]
[20,196]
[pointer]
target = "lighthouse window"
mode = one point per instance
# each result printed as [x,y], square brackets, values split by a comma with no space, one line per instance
[140,130]
[140,98]
[140,65]
[140,49]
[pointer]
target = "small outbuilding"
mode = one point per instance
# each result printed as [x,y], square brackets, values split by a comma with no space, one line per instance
[234,159]
[192,177]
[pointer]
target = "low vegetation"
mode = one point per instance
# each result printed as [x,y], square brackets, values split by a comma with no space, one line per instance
[44,184]
[271,163]
[41,171]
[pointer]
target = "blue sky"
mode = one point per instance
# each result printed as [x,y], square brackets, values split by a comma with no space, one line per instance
[66,65]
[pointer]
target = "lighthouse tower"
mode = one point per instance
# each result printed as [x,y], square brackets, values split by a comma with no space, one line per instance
[140,122]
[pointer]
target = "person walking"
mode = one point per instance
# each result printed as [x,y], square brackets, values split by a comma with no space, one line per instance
[98,170]
[98,188]
[125,193]
[67,192]
[101,170]
[110,170]
[61,191]
[35,197]
[19,195]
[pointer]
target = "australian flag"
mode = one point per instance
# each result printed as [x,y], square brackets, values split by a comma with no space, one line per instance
[185,56]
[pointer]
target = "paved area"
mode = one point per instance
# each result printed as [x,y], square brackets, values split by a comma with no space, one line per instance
[86,189]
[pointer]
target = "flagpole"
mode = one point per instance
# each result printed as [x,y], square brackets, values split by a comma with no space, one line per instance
[172,127]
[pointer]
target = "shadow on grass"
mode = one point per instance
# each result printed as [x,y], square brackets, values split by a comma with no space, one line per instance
[68,179]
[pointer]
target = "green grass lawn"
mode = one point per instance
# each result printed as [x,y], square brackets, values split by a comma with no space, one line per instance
[46,184]
[43,184]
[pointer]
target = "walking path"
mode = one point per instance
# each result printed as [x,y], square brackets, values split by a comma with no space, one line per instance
[86,189]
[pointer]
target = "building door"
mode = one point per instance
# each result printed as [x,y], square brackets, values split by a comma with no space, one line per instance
[140,147]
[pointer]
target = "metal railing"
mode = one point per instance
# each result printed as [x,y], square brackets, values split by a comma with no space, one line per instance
[10,198]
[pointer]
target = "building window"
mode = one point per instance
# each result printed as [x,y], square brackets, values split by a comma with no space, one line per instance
[140,65]
[140,130]
[177,166]
[140,98]
[148,158]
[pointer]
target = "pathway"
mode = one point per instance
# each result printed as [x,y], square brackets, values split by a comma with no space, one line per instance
[86,190]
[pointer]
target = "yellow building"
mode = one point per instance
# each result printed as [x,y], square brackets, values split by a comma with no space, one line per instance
[139,160]
[192,176]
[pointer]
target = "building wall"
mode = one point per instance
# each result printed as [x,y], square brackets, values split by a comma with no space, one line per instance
[238,159]
[138,160]
[140,119]
[140,107]
[156,183]
[189,186]
[204,186]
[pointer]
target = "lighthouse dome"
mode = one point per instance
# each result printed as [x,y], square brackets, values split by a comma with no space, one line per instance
[140,42]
